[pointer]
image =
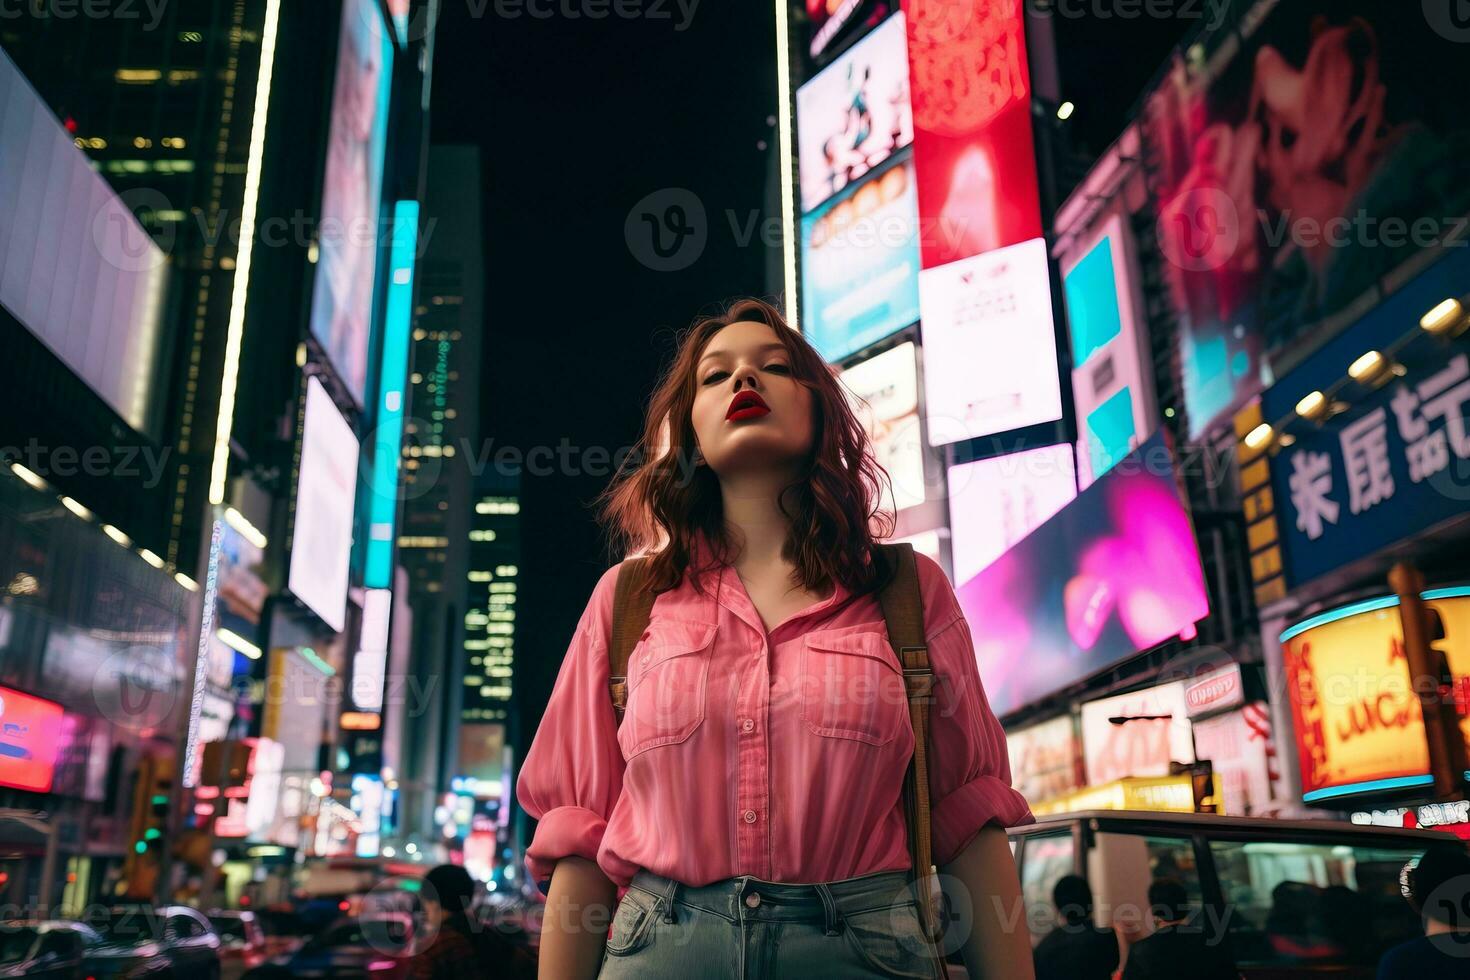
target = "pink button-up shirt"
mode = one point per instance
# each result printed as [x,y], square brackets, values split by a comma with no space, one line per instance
[780,755]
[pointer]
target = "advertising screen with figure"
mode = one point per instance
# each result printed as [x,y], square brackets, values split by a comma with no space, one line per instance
[1113,573]
[350,232]
[855,114]
[1294,174]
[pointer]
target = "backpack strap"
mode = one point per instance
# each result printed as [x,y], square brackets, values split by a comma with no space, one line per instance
[632,606]
[903,611]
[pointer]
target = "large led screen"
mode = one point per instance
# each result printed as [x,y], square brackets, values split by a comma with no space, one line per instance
[321,546]
[855,114]
[884,390]
[990,354]
[1309,153]
[76,268]
[994,503]
[860,262]
[1115,572]
[349,235]
[973,146]
[1110,382]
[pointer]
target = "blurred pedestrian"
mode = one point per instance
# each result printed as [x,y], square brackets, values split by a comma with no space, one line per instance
[1438,888]
[1176,948]
[463,947]
[1076,949]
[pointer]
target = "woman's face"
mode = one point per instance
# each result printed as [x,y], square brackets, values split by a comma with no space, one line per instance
[749,412]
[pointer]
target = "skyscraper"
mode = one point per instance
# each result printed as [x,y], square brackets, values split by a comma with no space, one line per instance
[442,452]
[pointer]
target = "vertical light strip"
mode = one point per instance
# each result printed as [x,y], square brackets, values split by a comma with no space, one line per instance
[392,377]
[783,169]
[201,658]
[225,420]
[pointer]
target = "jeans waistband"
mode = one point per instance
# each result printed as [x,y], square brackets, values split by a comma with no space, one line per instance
[747,897]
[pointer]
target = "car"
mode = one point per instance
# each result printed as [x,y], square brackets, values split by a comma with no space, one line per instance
[285,931]
[143,941]
[242,940]
[378,946]
[53,949]
[1287,898]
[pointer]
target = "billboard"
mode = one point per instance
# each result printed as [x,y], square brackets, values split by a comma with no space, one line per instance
[1112,385]
[348,238]
[1045,762]
[321,544]
[1297,158]
[884,391]
[973,148]
[30,739]
[860,262]
[990,355]
[833,21]
[1239,748]
[854,114]
[1136,734]
[993,503]
[1113,573]
[1359,727]
[76,268]
[1389,467]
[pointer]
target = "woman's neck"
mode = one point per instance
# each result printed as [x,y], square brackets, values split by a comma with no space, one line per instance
[753,518]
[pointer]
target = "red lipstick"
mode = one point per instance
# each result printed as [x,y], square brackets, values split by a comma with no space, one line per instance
[746,405]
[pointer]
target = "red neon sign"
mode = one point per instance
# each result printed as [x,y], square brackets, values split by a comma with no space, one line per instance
[30,739]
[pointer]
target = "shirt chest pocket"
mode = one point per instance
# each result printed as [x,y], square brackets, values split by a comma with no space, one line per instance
[852,687]
[667,673]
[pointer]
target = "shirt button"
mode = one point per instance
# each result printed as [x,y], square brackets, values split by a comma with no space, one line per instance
[748,725]
[645,658]
[750,816]
[753,900]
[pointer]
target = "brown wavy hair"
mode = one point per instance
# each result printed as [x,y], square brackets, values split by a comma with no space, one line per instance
[659,502]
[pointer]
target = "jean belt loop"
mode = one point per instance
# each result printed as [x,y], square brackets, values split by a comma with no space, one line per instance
[831,918]
[670,891]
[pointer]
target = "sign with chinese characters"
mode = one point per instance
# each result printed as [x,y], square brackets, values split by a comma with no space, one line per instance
[1359,729]
[1392,465]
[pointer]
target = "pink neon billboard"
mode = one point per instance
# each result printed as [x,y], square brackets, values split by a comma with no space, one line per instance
[1113,573]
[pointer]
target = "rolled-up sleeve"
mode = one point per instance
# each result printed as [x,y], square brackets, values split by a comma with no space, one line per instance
[969,769]
[573,772]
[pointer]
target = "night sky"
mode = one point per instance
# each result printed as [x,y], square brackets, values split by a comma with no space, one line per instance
[579,120]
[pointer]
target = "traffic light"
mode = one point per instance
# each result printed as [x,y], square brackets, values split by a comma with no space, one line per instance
[152,796]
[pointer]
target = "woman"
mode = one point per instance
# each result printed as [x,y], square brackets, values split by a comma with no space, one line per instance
[750,800]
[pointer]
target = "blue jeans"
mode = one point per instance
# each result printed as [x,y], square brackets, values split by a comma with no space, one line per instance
[744,928]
